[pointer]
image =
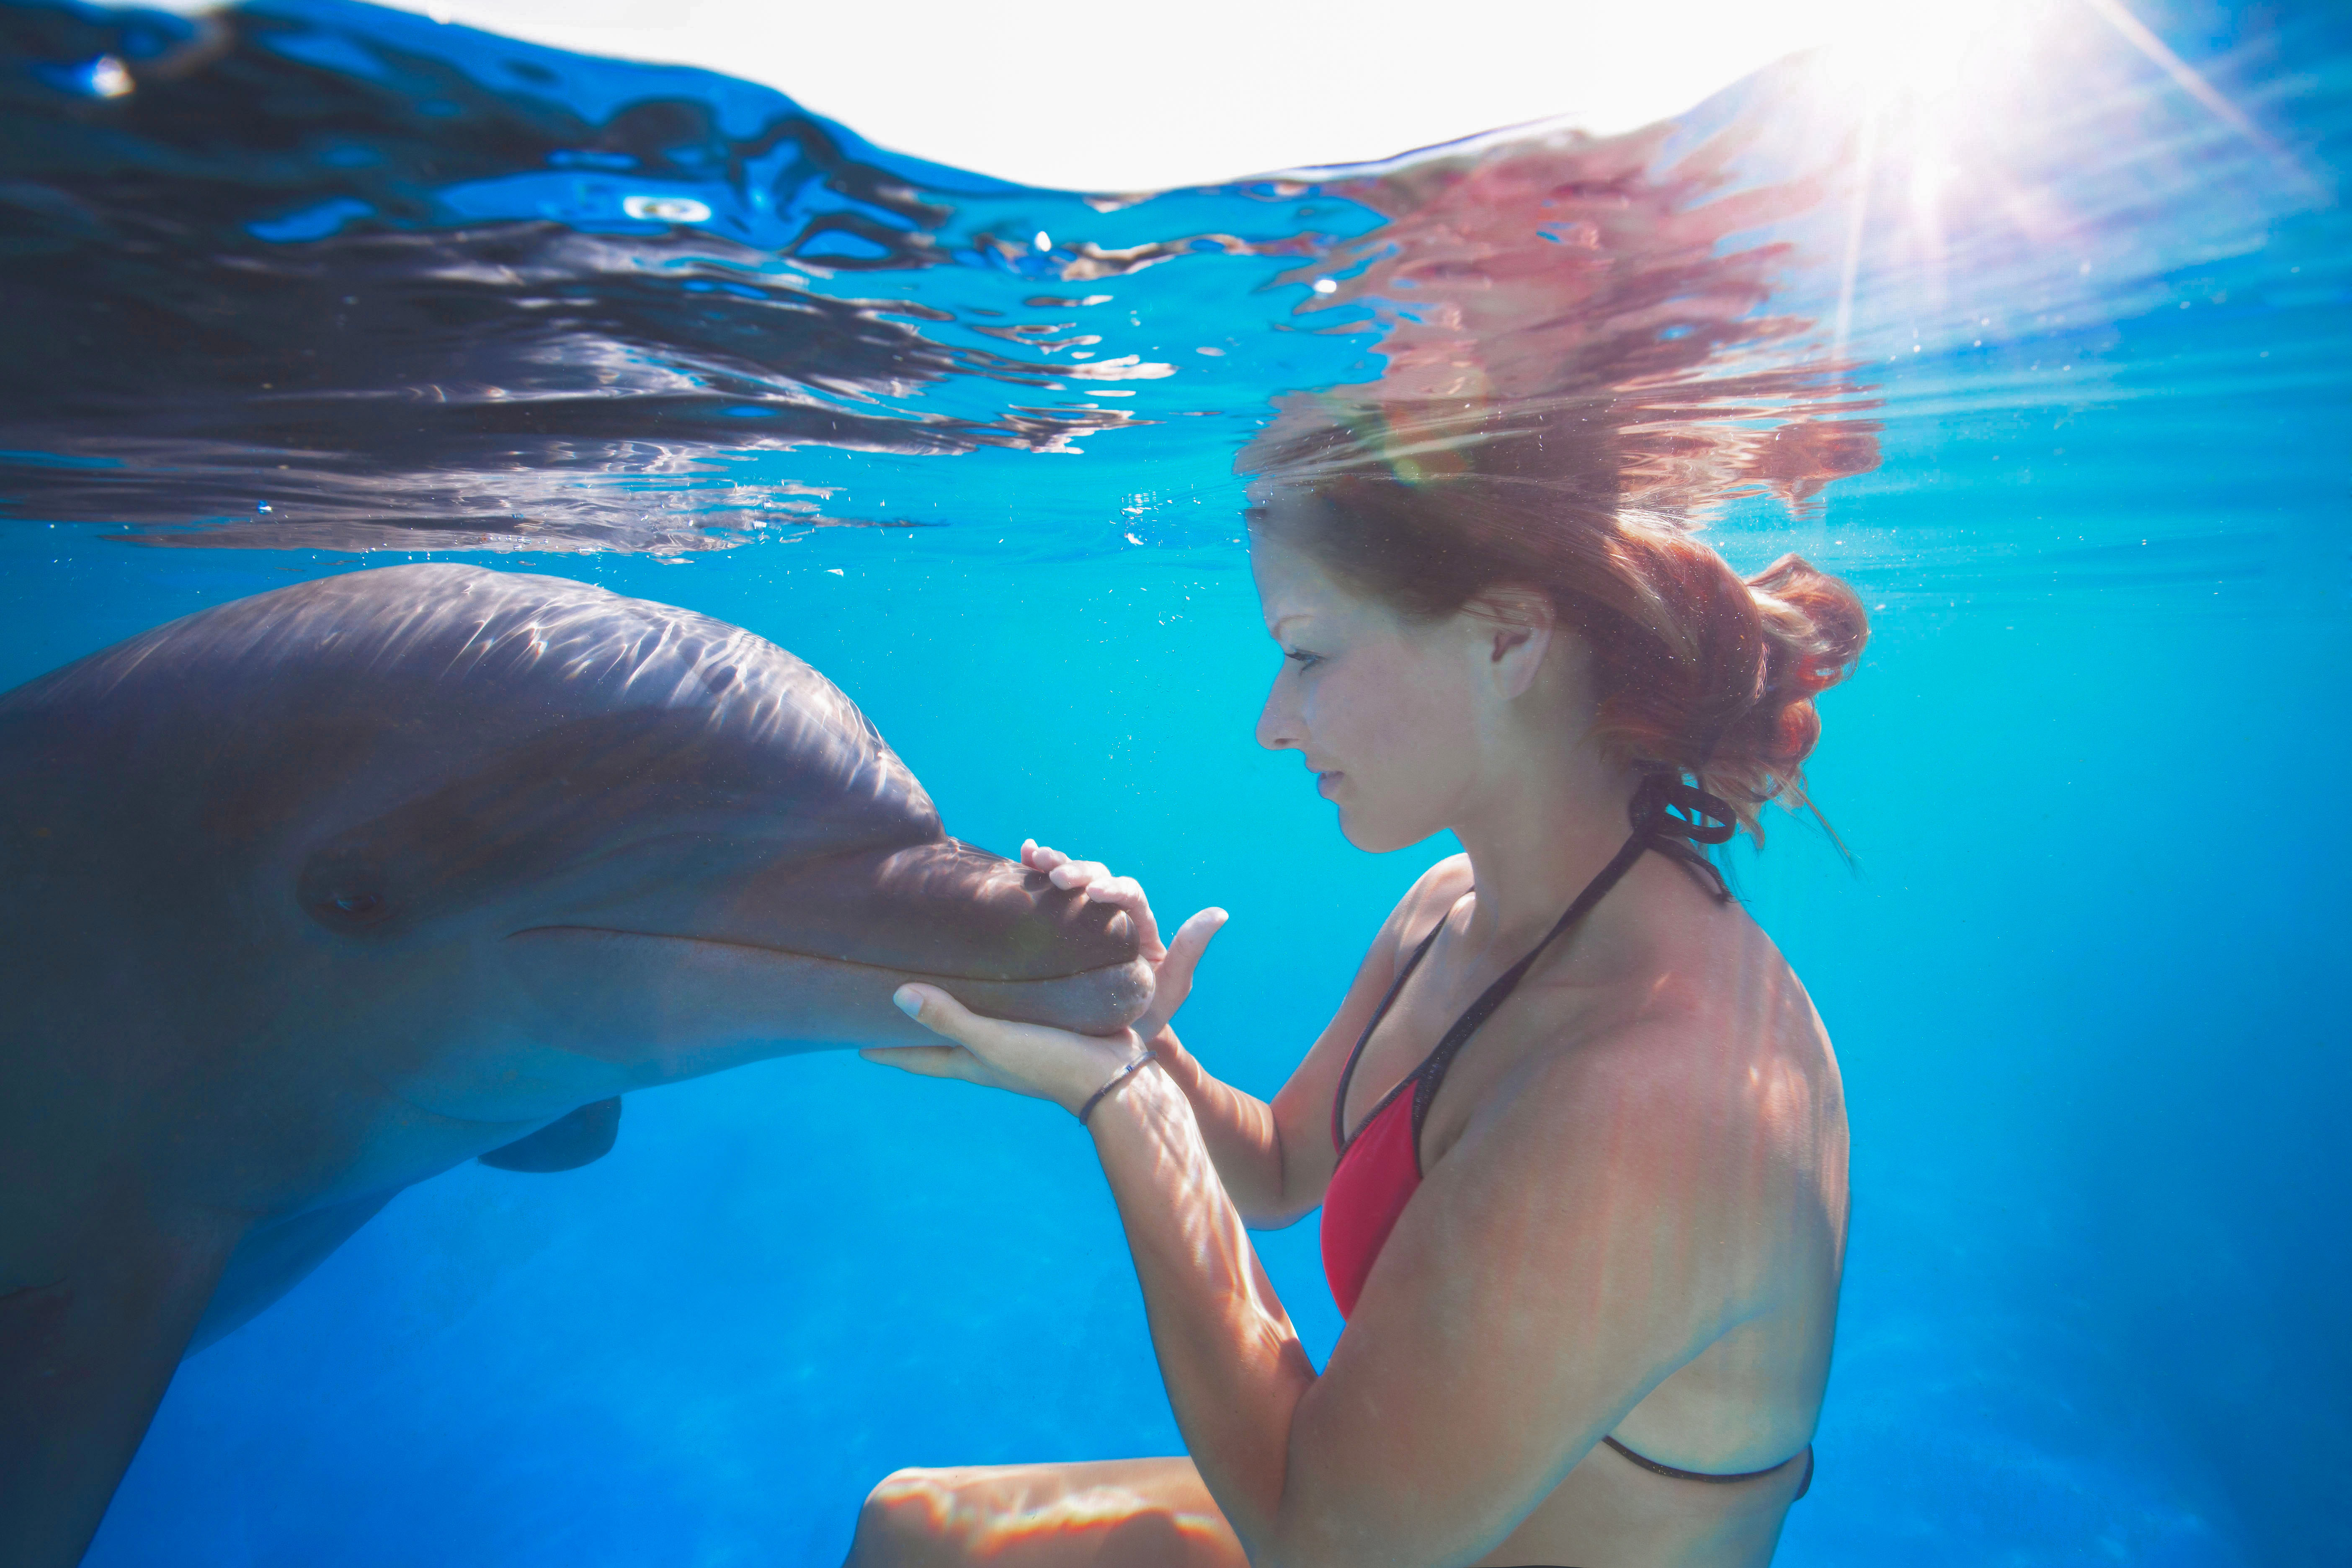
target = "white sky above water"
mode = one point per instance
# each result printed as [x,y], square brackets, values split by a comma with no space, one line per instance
[1125,95]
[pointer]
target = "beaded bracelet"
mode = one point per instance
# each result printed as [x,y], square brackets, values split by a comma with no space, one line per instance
[1116,1080]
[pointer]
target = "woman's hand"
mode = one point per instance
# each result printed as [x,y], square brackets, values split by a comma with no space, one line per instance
[1171,965]
[1032,1059]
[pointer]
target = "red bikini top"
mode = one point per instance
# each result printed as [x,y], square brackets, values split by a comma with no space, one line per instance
[1379,1167]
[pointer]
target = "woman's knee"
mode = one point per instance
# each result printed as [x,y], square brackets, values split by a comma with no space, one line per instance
[1047,1516]
[903,1521]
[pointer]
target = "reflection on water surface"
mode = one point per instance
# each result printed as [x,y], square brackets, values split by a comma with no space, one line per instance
[315,274]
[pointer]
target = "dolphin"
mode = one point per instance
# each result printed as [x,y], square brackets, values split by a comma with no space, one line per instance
[314,895]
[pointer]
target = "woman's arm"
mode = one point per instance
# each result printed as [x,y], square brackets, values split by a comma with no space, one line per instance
[1233,1364]
[1625,1205]
[1592,1234]
[1273,1160]
[1239,1134]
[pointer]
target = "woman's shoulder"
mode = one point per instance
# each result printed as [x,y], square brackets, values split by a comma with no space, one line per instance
[1434,892]
[1674,1117]
[1723,1034]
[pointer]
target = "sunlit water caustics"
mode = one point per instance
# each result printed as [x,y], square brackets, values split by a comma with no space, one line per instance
[2033,330]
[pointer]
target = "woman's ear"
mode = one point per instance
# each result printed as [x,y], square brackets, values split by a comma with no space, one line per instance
[1516,634]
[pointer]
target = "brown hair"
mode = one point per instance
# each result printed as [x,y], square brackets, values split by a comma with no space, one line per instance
[1697,668]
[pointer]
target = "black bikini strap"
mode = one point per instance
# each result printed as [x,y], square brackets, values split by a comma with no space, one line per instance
[1672,1474]
[1660,796]
[1705,819]
[1348,1073]
[1652,811]
[1432,1070]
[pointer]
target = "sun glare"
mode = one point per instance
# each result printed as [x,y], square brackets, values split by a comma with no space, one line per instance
[1129,98]
[1931,55]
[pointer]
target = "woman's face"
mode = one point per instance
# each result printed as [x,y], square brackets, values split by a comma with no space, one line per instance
[1385,712]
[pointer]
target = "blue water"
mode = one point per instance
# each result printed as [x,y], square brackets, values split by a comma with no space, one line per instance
[2083,978]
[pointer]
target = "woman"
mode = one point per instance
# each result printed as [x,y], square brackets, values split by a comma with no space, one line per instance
[1583,1174]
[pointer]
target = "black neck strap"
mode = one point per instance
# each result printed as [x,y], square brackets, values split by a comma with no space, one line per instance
[1669,816]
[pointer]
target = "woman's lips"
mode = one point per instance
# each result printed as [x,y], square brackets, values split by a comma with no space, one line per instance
[1326,783]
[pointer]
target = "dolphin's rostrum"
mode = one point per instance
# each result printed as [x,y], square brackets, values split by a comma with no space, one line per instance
[311,896]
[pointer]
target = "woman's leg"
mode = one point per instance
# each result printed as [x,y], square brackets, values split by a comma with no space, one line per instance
[1108,1513]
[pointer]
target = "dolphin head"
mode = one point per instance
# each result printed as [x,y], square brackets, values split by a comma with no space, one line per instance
[507,843]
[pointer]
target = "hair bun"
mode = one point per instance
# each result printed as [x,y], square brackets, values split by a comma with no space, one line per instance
[1814,630]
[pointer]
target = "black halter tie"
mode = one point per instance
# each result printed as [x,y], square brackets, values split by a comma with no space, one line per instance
[1706,819]
[1669,816]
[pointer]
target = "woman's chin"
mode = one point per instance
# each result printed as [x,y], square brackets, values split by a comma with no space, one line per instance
[1375,838]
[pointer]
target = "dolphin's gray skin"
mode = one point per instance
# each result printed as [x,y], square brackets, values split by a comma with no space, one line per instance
[311,896]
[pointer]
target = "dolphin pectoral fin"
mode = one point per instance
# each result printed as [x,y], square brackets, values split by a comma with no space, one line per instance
[274,1258]
[566,1143]
[84,1360]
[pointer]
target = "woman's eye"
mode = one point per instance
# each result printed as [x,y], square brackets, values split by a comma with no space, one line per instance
[1304,659]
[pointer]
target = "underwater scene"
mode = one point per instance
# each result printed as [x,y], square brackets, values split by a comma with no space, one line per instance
[444,340]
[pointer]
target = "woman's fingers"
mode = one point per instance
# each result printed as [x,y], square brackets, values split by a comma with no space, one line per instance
[1022,1057]
[1094,878]
[1127,893]
[945,1061]
[943,1014]
[986,1040]
[1067,870]
[1174,982]
[927,1061]
[1192,940]
[939,1013]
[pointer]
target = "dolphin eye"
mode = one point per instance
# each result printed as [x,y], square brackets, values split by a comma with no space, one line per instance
[350,904]
[345,893]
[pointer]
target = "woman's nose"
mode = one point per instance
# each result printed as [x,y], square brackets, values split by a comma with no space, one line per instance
[1277,726]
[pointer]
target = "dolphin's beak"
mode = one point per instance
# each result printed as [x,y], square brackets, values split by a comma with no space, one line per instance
[940,908]
[813,948]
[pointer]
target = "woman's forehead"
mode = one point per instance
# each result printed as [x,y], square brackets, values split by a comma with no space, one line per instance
[1286,575]
[1295,590]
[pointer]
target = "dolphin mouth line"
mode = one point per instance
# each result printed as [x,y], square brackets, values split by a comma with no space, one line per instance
[796,952]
